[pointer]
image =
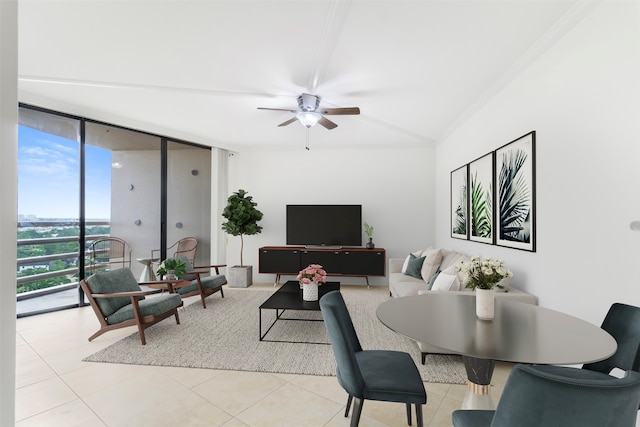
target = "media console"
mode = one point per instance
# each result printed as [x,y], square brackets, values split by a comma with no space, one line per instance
[344,261]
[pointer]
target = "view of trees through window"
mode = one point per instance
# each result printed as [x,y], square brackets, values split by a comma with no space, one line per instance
[66,251]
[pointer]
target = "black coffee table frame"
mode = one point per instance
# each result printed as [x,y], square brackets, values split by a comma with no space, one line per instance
[289,297]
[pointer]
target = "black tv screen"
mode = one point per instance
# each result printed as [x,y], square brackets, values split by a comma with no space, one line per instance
[324,225]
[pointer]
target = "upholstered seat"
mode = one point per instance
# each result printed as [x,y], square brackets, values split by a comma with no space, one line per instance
[382,375]
[559,396]
[118,302]
[200,283]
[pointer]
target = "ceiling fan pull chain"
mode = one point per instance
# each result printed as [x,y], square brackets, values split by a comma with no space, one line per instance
[307,147]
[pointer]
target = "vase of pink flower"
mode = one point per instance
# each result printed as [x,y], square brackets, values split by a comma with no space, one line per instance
[310,278]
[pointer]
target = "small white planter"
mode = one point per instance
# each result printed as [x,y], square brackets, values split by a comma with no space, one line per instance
[310,291]
[485,301]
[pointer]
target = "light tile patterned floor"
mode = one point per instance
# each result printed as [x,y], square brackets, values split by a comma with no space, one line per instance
[55,388]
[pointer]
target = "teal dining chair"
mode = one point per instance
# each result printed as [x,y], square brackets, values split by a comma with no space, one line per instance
[559,396]
[383,375]
[623,323]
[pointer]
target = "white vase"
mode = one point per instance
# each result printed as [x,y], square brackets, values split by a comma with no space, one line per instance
[310,291]
[485,300]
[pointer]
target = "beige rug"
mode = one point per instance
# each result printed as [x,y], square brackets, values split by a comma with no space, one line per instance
[225,336]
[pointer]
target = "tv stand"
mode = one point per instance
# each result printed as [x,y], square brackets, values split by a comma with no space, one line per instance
[336,261]
[322,247]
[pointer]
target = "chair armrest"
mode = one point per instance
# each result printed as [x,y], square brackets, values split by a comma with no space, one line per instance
[123,294]
[216,266]
[160,282]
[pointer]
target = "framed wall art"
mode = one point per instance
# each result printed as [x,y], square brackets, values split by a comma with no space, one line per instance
[515,193]
[481,216]
[459,203]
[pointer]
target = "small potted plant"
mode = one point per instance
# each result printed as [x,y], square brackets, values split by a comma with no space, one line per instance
[172,268]
[369,230]
[483,275]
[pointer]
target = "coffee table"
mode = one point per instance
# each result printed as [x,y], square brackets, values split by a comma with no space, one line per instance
[289,297]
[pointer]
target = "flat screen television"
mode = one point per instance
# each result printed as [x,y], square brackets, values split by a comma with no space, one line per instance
[324,225]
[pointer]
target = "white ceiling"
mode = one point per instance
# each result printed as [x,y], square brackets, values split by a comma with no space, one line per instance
[197,70]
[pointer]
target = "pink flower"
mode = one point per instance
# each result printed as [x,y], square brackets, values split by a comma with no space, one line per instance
[312,273]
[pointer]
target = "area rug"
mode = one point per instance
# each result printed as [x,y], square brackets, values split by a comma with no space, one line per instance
[225,336]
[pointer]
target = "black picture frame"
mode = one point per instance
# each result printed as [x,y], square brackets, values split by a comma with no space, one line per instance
[459,203]
[481,213]
[515,173]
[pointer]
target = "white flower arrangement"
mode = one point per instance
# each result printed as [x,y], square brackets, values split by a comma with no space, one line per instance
[483,273]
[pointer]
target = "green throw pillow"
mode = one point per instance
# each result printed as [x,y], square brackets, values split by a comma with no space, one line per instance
[414,266]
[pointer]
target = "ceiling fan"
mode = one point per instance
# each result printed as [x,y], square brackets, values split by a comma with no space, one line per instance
[308,113]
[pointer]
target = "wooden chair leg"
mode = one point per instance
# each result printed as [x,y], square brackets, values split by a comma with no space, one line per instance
[408,405]
[349,400]
[357,411]
[141,332]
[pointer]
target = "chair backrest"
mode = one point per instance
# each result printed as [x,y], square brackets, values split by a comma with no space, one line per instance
[109,253]
[563,396]
[344,342]
[623,323]
[188,265]
[104,282]
[186,247]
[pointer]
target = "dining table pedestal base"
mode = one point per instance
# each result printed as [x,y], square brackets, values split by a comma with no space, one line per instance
[479,373]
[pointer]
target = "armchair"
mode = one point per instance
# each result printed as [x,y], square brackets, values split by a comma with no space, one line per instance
[109,252]
[119,302]
[185,247]
[559,396]
[201,284]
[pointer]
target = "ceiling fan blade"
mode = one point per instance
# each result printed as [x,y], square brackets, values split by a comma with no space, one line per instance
[278,109]
[288,122]
[327,123]
[341,111]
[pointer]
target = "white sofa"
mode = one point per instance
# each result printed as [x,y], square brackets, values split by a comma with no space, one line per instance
[444,262]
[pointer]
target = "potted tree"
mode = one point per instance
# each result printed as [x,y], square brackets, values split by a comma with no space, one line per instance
[242,219]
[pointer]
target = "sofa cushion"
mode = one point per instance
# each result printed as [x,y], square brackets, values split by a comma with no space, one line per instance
[446,282]
[406,260]
[433,257]
[401,285]
[450,258]
[414,266]
[433,279]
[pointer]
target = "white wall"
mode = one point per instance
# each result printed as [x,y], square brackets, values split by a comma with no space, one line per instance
[394,187]
[583,99]
[9,210]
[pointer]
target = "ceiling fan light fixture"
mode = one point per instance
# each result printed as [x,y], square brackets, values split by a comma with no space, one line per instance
[308,119]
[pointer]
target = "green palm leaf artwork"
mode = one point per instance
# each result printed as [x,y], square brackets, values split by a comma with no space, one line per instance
[481,209]
[460,223]
[514,198]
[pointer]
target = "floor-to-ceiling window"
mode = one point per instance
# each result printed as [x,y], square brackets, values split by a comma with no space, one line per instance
[48,216]
[81,180]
